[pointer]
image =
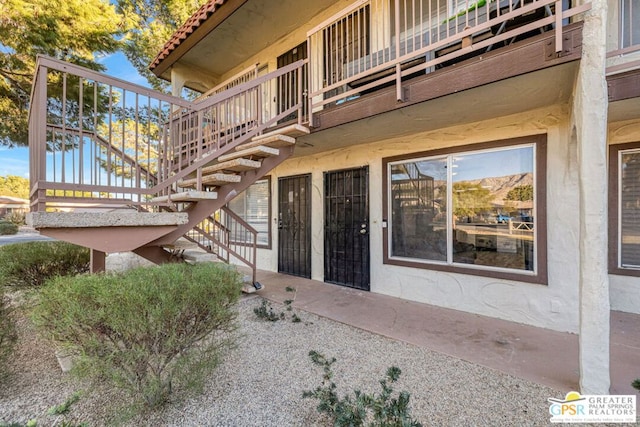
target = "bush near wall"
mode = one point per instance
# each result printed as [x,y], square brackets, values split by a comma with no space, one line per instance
[32,263]
[17,218]
[151,331]
[7,228]
[8,334]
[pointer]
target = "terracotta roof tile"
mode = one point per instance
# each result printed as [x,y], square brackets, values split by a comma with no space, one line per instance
[192,24]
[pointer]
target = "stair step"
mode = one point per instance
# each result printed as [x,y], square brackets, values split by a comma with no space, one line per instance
[186,196]
[256,152]
[181,244]
[273,141]
[236,165]
[293,130]
[199,256]
[214,179]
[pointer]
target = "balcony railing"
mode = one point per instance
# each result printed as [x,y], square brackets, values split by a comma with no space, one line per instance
[94,139]
[243,76]
[374,43]
[98,140]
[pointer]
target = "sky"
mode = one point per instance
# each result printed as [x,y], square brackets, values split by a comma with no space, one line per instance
[15,161]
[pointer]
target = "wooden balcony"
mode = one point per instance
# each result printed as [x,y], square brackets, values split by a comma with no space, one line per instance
[376,44]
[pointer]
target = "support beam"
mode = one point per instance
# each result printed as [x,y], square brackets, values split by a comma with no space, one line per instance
[97,261]
[590,121]
[155,254]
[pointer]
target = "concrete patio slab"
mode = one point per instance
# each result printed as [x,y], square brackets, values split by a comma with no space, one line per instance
[536,354]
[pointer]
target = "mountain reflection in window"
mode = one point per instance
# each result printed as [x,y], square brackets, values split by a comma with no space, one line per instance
[466,208]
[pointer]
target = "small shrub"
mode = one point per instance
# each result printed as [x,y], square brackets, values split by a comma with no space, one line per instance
[265,312]
[64,408]
[33,263]
[7,228]
[17,218]
[636,384]
[150,331]
[362,409]
[8,334]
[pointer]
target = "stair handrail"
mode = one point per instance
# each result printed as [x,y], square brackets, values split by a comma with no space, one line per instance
[166,178]
[228,246]
[253,69]
[244,87]
[59,65]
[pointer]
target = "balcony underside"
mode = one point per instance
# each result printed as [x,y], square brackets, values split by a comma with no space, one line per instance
[521,77]
[237,31]
[624,96]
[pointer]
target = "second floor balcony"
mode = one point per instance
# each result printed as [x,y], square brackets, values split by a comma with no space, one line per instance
[355,48]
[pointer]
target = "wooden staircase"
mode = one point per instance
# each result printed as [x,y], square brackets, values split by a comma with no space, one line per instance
[176,183]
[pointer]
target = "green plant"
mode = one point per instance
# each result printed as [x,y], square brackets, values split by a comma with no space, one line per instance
[64,408]
[17,218]
[636,384]
[61,409]
[151,331]
[7,228]
[33,263]
[362,409]
[8,336]
[265,312]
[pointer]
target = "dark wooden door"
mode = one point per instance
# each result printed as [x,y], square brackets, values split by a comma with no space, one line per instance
[294,225]
[346,228]
[288,84]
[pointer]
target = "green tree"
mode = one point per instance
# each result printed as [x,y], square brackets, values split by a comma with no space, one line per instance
[521,193]
[470,199]
[137,141]
[14,186]
[153,23]
[72,30]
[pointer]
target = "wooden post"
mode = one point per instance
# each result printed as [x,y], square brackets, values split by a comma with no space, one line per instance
[97,261]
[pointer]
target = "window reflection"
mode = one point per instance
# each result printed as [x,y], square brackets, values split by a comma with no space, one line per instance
[493,205]
[491,220]
[419,209]
[630,209]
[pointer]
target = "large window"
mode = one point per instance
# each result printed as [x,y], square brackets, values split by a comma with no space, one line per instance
[253,205]
[629,23]
[624,232]
[479,207]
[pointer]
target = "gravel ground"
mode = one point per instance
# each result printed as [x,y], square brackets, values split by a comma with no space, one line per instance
[260,383]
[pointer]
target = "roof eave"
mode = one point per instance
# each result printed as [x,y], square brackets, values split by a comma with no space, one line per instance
[191,33]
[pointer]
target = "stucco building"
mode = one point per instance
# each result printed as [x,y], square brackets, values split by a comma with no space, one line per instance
[483,157]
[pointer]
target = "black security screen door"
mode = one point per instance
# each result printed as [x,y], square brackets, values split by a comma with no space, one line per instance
[346,228]
[294,225]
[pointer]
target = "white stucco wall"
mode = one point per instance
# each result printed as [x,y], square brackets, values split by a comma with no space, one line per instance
[553,306]
[624,292]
